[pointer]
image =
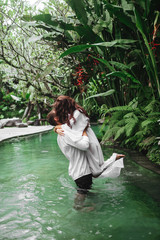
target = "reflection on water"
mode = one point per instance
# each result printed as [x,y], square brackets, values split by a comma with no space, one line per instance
[37,197]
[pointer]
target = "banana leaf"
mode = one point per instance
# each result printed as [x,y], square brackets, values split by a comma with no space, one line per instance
[51,23]
[124,76]
[105,94]
[120,14]
[80,48]
[79,8]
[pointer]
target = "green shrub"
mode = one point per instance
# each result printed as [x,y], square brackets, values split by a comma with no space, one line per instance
[135,126]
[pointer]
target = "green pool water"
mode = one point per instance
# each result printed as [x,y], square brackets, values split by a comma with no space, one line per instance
[37,196]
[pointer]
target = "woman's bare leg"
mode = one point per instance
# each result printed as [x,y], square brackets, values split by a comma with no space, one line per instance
[79,201]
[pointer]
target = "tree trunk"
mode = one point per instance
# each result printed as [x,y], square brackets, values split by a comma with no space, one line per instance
[39,112]
[29,111]
[26,110]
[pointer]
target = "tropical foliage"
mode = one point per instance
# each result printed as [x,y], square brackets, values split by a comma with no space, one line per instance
[135,127]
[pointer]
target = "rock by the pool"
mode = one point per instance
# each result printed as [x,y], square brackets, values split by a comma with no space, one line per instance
[30,123]
[9,122]
[21,125]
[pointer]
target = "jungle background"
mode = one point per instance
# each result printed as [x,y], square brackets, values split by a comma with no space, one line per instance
[103,53]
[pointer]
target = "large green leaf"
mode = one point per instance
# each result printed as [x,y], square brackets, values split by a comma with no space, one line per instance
[141,27]
[117,41]
[145,4]
[126,6]
[50,21]
[134,80]
[80,48]
[120,132]
[79,8]
[119,65]
[97,7]
[75,49]
[105,62]
[34,38]
[105,94]
[140,23]
[117,74]
[124,76]
[87,35]
[120,14]
[15,98]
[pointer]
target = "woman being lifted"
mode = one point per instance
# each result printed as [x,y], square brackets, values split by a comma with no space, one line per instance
[79,144]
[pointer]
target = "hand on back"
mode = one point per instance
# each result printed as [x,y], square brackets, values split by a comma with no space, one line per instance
[58,129]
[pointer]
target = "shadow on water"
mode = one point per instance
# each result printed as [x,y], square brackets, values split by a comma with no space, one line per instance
[37,197]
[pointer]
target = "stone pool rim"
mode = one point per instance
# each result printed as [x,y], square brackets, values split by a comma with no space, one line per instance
[15,132]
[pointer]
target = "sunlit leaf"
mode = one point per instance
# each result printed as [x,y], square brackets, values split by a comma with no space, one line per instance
[15,98]
[35,38]
[79,8]
[105,94]
[47,70]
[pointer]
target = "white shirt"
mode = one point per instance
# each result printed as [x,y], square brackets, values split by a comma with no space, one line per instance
[84,153]
[78,164]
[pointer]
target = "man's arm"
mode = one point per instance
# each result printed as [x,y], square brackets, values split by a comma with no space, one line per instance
[81,144]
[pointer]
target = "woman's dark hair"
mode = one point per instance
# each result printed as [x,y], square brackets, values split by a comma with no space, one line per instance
[64,107]
[50,117]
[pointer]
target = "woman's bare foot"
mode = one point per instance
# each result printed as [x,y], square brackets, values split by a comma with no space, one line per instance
[87,209]
[119,156]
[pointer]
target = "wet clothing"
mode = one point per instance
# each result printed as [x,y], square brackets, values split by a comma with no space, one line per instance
[84,184]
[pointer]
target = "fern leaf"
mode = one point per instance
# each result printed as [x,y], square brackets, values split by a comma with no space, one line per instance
[120,108]
[146,123]
[119,133]
[120,123]
[148,141]
[139,134]
[130,126]
[153,106]
[110,133]
[132,141]
[130,115]
[154,114]
[133,103]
